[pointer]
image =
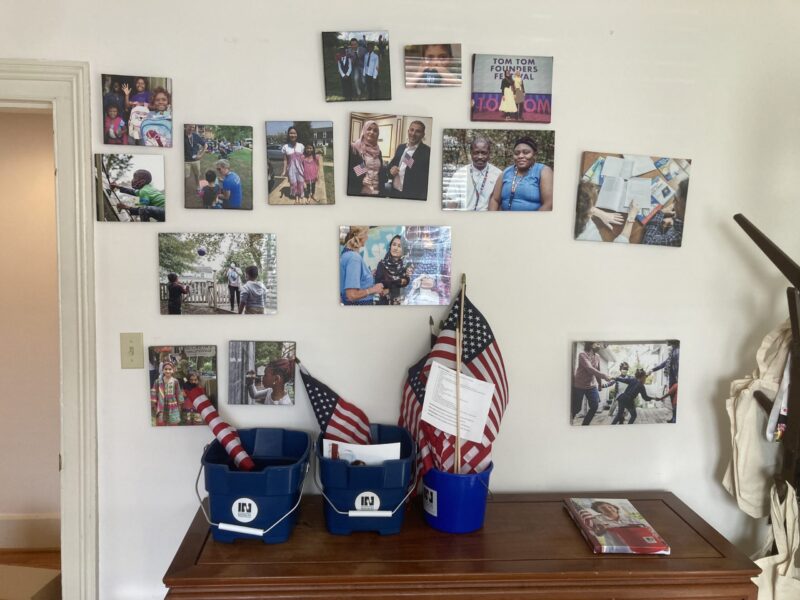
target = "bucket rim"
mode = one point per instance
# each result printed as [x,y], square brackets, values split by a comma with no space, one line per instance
[302,459]
[462,475]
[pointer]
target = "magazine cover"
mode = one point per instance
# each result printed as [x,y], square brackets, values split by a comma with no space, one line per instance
[613,525]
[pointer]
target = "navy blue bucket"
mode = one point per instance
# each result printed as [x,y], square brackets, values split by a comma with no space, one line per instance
[368,498]
[262,502]
[455,503]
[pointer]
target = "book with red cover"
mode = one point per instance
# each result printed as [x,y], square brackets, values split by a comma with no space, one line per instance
[613,525]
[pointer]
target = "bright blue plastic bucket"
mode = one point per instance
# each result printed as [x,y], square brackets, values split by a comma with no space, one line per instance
[455,503]
[260,498]
[368,498]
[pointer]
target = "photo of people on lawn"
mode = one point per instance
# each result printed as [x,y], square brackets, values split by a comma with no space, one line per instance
[218,166]
[356,65]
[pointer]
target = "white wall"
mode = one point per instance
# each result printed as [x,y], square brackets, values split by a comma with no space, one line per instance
[29,494]
[713,81]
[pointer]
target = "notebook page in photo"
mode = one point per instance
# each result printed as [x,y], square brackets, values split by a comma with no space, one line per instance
[641,164]
[638,191]
[612,195]
[617,167]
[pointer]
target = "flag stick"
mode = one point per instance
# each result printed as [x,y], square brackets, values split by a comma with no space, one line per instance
[459,343]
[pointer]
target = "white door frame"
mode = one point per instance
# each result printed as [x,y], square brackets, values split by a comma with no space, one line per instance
[64,86]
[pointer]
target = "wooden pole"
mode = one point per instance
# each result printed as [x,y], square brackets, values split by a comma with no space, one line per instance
[459,346]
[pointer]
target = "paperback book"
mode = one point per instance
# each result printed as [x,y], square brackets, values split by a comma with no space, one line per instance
[613,525]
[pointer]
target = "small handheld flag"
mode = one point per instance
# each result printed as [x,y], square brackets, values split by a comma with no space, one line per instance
[338,420]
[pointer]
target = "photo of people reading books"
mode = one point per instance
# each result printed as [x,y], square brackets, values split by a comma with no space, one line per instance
[632,198]
[622,383]
[613,525]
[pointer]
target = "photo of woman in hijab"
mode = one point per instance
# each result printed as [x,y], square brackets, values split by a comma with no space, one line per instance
[394,265]
[366,173]
[393,272]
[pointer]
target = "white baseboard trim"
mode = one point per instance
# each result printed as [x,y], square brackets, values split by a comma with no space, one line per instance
[30,531]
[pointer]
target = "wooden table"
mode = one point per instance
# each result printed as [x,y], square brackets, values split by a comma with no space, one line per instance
[528,548]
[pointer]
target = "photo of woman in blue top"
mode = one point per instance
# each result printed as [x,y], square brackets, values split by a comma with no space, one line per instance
[356,282]
[526,185]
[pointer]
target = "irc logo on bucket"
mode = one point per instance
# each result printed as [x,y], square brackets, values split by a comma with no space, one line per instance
[368,501]
[429,502]
[244,510]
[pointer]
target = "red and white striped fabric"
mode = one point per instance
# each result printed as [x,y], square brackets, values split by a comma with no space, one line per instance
[226,434]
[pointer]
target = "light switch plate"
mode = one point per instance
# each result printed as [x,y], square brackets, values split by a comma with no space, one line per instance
[131,350]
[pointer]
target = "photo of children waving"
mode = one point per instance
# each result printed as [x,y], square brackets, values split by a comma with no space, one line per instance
[137,110]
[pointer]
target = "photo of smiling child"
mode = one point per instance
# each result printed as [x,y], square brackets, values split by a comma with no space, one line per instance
[137,110]
[261,373]
[433,65]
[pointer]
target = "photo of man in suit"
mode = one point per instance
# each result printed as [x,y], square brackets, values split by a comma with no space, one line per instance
[408,169]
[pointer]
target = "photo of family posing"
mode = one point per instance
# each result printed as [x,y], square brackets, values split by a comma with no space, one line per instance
[632,199]
[433,65]
[218,166]
[512,88]
[388,156]
[178,376]
[261,373]
[137,110]
[300,162]
[394,265]
[129,188]
[497,169]
[622,383]
[217,273]
[356,65]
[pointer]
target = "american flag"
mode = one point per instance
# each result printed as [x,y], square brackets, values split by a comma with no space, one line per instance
[359,170]
[227,435]
[338,420]
[408,160]
[481,359]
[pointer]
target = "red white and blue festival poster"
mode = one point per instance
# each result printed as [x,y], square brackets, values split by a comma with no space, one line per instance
[512,88]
